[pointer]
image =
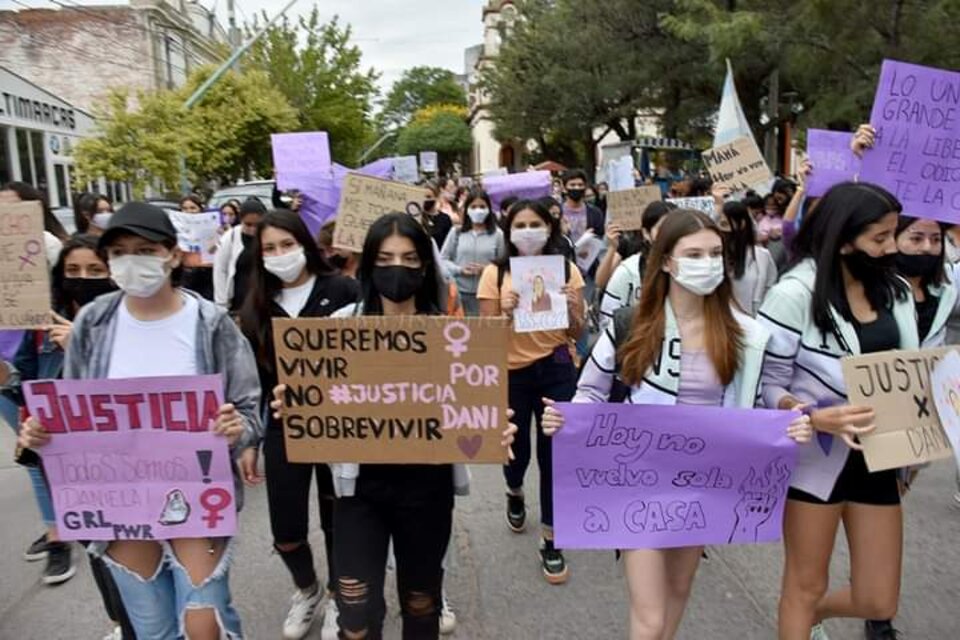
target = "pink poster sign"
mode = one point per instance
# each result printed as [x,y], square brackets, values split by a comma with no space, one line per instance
[135,459]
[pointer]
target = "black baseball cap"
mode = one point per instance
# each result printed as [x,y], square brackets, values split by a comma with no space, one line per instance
[141,219]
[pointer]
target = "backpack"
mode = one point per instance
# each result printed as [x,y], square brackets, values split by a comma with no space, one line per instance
[622,320]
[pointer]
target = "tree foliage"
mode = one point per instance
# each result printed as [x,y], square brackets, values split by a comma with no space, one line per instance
[318,69]
[225,136]
[440,128]
[417,88]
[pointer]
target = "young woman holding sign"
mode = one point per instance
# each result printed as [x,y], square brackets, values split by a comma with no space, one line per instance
[541,365]
[842,297]
[685,322]
[151,327]
[290,279]
[410,504]
[472,246]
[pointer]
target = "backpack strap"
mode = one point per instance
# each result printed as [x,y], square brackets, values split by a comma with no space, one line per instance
[622,321]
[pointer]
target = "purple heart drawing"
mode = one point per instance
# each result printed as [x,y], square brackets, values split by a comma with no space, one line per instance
[470,446]
[826,442]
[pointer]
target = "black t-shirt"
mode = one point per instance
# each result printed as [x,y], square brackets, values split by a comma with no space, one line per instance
[926,311]
[438,225]
[882,334]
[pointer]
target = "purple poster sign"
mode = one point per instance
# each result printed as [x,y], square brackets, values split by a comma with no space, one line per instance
[322,197]
[833,161]
[529,184]
[917,155]
[135,459]
[299,158]
[651,477]
[10,340]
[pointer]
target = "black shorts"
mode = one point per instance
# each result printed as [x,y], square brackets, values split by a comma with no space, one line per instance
[857,484]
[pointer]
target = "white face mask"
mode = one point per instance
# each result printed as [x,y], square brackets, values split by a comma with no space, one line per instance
[701,276]
[102,219]
[288,266]
[951,250]
[478,215]
[140,276]
[529,242]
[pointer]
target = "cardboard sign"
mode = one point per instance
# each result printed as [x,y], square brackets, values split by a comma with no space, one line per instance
[650,477]
[538,280]
[362,201]
[24,273]
[945,381]
[917,154]
[527,185]
[409,389]
[703,204]
[197,235]
[896,384]
[428,161]
[737,165]
[833,161]
[135,459]
[299,158]
[405,169]
[626,208]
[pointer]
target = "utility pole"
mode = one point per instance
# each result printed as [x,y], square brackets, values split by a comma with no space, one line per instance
[232,32]
[212,80]
[375,145]
[772,138]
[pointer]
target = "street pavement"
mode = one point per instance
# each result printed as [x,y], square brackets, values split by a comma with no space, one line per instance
[494,580]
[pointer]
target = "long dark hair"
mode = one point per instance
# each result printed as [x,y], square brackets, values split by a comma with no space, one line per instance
[490,222]
[84,208]
[723,334]
[739,241]
[58,274]
[555,240]
[29,193]
[428,299]
[843,213]
[256,312]
[940,275]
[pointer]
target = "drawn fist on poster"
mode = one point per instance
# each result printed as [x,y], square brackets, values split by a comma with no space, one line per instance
[176,510]
[758,500]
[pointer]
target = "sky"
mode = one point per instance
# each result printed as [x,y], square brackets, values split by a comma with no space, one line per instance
[394,35]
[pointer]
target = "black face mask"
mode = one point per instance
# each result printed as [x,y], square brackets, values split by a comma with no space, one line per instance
[918,266]
[84,290]
[576,194]
[338,261]
[397,283]
[868,269]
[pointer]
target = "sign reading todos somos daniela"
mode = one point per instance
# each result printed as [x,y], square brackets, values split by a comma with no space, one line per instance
[650,477]
[135,459]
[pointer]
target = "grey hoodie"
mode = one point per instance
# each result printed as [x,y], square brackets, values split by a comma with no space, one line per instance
[465,247]
[221,348]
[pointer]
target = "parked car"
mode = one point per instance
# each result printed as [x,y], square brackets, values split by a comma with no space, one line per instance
[260,189]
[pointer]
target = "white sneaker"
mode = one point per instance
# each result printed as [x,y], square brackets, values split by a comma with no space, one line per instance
[116,634]
[817,632]
[303,608]
[448,618]
[331,614]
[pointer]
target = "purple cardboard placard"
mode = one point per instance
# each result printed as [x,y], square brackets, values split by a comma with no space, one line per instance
[10,340]
[299,158]
[135,459]
[651,477]
[833,161]
[917,154]
[526,185]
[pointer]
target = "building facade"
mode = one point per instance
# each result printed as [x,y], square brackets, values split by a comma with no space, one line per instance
[38,132]
[489,155]
[80,52]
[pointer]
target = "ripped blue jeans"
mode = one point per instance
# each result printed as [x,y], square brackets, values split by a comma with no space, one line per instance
[157,606]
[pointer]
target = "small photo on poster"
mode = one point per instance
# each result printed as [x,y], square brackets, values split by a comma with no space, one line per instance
[542,306]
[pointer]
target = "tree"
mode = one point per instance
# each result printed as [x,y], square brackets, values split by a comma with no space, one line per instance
[136,141]
[322,79]
[440,128]
[417,88]
[230,127]
[572,71]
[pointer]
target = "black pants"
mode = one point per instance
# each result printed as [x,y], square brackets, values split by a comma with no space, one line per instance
[288,497]
[413,504]
[553,377]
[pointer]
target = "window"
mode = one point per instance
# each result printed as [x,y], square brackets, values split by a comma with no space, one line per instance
[39,160]
[23,150]
[60,172]
[6,171]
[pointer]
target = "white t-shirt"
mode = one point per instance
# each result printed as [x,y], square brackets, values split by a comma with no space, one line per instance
[294,299]
[166,347]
